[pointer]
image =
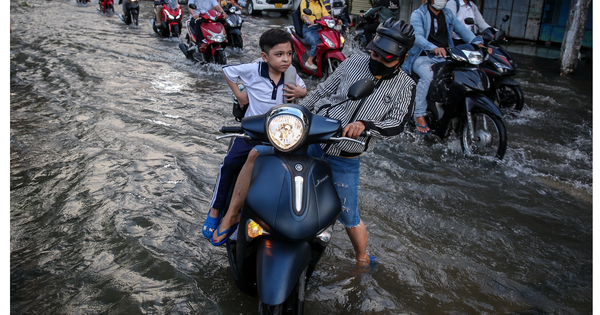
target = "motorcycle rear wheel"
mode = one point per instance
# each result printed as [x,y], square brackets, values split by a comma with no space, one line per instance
[489,135]
[510,97]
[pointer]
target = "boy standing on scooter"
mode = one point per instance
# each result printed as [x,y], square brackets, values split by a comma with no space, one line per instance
[265,88]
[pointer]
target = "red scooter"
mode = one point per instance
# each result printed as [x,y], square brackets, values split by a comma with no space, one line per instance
[215,38]
[329,51]
[106,6]
[171,19]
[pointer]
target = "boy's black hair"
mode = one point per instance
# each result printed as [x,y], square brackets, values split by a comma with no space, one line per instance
[272,38]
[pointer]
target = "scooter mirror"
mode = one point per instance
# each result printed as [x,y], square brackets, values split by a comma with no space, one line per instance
[192,6]
[469,21]
[499,36]
[361,89]
[307,11]
[505,18]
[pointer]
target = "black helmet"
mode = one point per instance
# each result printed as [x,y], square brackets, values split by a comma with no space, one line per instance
[393,39]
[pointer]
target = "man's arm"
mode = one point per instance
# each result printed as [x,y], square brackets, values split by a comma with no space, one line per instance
[395,120]
[479,21]
[417,20]
[324,89]
[464,32]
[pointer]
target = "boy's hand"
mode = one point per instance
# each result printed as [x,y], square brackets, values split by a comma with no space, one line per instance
[293,91]
[243,99]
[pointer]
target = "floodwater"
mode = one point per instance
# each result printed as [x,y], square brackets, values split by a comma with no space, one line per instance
[113,159]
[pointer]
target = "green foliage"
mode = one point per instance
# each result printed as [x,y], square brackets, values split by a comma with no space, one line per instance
[24,4]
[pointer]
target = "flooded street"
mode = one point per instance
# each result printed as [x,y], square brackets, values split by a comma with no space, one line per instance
[113,159]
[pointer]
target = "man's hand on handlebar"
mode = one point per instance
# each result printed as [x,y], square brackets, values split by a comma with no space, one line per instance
[440,52]
[353,130]
[489,49]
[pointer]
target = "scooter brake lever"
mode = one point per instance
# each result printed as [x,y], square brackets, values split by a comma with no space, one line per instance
[239,135]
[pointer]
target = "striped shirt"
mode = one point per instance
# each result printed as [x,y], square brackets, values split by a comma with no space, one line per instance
[384,112]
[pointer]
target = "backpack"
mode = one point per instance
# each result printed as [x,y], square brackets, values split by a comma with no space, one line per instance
[458,4]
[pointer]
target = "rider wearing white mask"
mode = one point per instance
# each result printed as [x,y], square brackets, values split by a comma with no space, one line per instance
[433,26]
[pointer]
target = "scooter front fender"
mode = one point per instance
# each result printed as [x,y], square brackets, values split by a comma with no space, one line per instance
[336,54]
[505,81]
[279,265]
[481,101]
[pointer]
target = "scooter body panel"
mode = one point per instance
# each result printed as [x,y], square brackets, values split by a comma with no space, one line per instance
[279,266]
[293,210]
[478,100]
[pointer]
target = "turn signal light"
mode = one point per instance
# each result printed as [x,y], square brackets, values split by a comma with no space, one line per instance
[255,230]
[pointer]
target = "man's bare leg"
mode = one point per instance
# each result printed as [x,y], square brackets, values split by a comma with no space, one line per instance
[358,237]
[240,191]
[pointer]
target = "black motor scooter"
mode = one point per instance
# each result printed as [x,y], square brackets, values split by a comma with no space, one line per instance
[291,207]
[500,67]
[456,101]
[233,26]
[131,11]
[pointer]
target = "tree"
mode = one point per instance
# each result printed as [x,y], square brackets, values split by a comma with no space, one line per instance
[573,37]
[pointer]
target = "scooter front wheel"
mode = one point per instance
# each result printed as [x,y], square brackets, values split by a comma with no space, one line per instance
[329,66]
[510,97]
[294,305]
[175,31]
[487,137]
[220,57]
[134,17]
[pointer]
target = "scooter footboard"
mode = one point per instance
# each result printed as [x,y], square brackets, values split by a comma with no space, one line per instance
[481,101]
[279,265]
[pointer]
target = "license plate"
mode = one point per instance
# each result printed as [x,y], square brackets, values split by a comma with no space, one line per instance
[279,5]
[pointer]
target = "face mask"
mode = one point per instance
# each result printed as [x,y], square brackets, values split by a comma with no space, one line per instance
[379,69]
[439,4]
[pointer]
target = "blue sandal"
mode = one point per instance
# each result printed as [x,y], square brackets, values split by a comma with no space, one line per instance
[424,127]
[210,225]
[229,231]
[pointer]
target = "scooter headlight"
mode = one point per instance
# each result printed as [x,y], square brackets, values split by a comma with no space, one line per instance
[342,41]
[474,57]
[216,37]
[286,128]
[330,23]
[328,42]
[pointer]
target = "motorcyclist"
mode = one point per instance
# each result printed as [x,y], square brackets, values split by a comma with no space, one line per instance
[310,31]
[125,16]
[331,5]
[158,9]
[386,9]
[202,6]
[433,25]
[466,9]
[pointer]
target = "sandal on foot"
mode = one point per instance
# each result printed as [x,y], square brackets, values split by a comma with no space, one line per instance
[424,127]
[210,225]
[229,231]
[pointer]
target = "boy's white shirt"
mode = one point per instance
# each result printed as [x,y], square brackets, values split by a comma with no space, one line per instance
[258,88]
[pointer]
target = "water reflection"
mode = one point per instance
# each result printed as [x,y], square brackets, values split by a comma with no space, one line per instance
[113,160]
